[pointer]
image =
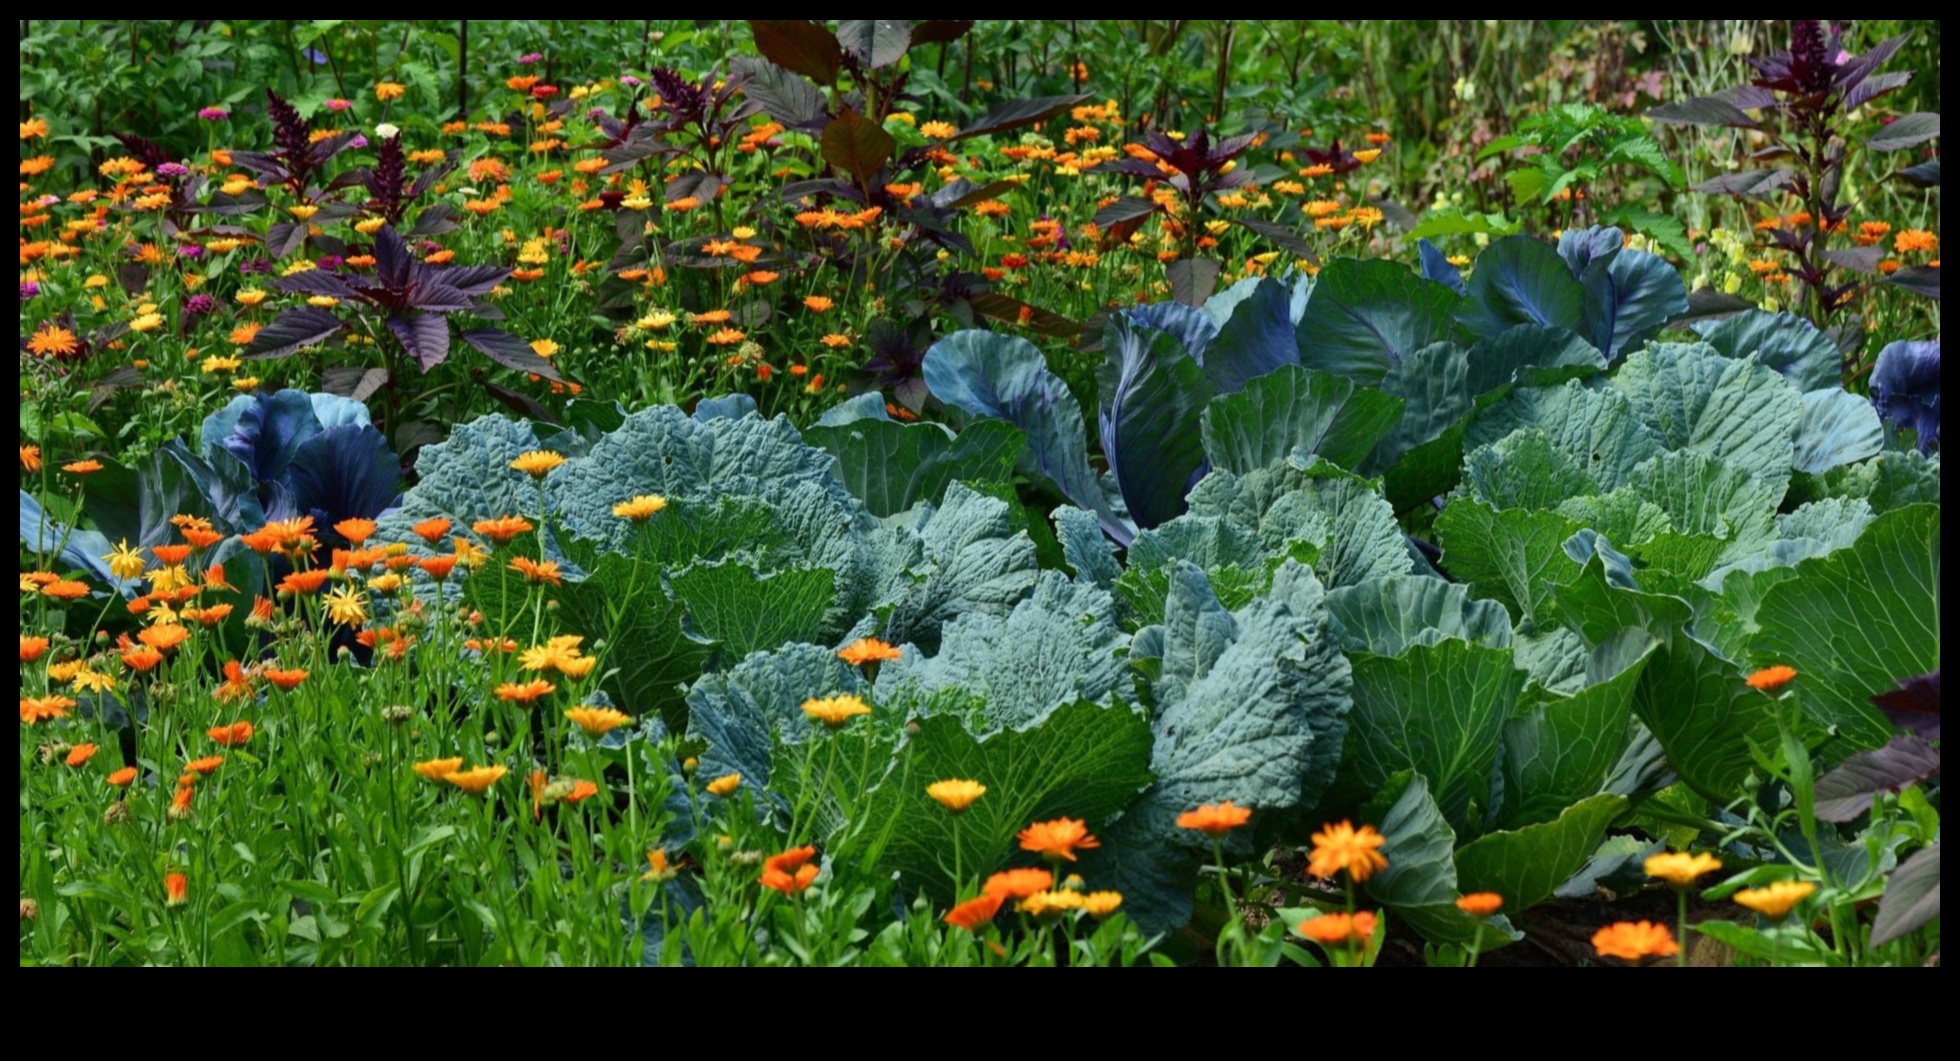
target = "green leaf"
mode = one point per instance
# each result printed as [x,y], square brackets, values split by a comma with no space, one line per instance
[1338,514]
[1510,356]
[1388,617]
[1766,946]
[1153,397]
[1452,221]
[468,478]
[664,657]
[1297,413]
[1438,710]
[1083,761]
[1890,482]
[1521,280]
[1431,385]
[1838,428]
[1086,548]
[1600,430]
[1527,865]
[1563,751]
[1525,471]
[746,713]
[1697,706]
[1912,899]
[1735,411]
[747,611]
[1366,317]
[974,562]
[1516,558]
[892,467]
[1791,345]
[1857,622]
[1665,230]
[1420,884]
[1062,645]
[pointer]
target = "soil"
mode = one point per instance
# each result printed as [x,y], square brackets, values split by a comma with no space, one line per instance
[1559,935]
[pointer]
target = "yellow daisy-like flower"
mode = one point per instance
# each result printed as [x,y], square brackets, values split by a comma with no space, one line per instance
[477,782]
[835,712]
[1048,906]
[438,770]
[640,509]
[597,722]
[1680,870]
[539,464]
[346,606]
[1102,905]
[125,563]
[1776,901]
[724,787]
[956,796]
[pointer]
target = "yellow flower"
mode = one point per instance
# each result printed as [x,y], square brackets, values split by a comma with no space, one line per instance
[539,464]
[835,712]
[1047,906]
[389,90]
[438,770]
[477,782]
[640,509]
[346,606]
[657,322]
[219,366]
[1776,901]
[147,322]
[323,302]
[1102,905]
[251,296]
[597,722]
[125,563]
[1682,871]
[725,787]
[956,796]
[545,348]
[304,213]
[1370,155]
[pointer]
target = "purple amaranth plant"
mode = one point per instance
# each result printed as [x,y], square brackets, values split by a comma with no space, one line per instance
[199,305]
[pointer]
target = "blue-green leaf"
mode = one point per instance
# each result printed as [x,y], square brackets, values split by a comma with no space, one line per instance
[1366,317]
[1297,413]
[1521,280]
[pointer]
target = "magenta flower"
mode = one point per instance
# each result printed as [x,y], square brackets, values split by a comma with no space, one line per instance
[173,169]
[214,114]
[199,305]
[338,105]
[29,289]
[527,60]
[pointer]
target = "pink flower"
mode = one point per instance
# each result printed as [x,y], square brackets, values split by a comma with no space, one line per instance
[214,114]
[339,105]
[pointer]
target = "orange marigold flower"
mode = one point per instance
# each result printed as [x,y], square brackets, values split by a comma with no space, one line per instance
[835,712]
[202,537]
[1339,930]
[50,340]
[236,735]
[1773,679]
[65,590]
[870,650]
[640,509]
[528,693]
[30,459]
[1636,942]
[176,890]
[82,468]
[836,341]
[438,770]
[727,337]
[790,884]
[32,648]
[724,787]
[286,680]
[1059,840]
[1916,240]
[356,531]
[1020,884]
[1776,901]
[977,914]
[142,659]
[538,574]
[1344,848]
[683,205]
[581,791]
[124,778]
[438,567]
[205,767]
[503,531]
[39,709]
[1048,906]
[388,91]
[476,782]
[1682,870]
[1482,905]
[80,754]
[171,555]
[956,796]
[596,721]
[165,637]
[433,531]
[305,583]
[1216,822]
[819,304]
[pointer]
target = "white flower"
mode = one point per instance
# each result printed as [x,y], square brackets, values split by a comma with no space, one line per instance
[386,131]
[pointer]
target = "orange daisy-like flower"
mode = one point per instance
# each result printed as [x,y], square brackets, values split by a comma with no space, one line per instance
[724,787]
[977,914]
[286,680]
[538,574]
[438,567]
[52,341]
[433,531]
[176,890]
[868,651]
[727,337]
[1773,679]
[1482,905]
[65,590]
[438,770]
[1216,822]
[1343,848]
[640,509]
[165,637]
[835,712]
[202,537]
[1058,841]
[171,555]
[1339,930]
[305,583]
[1776,901]
[356,531]
[819,304]
[38,709]
[80,754]
[236,735]
[581,792]
[124,778]
[1020,884]
[143,659]
[597,722]
[528,693]
[205,767]
[1636,942]
[792,872]
[503,531]
[32,648]
[956,796]
[30,459]
[476,782]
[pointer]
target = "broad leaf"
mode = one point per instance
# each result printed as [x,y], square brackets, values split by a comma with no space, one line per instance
[1909,131]
[1838,428]
[1338,514]
[425,336]
[1367,317]
[510,351]
[1521,280]
[1297,413]
[1912,899]
[666,657]
[875,42]
[1527,865]
[1440,711]
[1599,429]
[783,95]
[747,713]
[1741,413]
[972,561]
[1389,617]
[857,145]
[1254,340]
[1420,884]
[892,467]
[1563,751]
[292,331]
[799,46]
[1847,793]
[1017,114]
[1785,342]
[1153,397]
[1516,558]
[747,611]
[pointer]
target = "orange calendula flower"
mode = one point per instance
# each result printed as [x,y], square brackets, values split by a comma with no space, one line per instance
[51,340]
[1102,905]
[82,468]
[433,531]
[356,531]
[539,464]
[581,791]
[659,869]
[438,567]
[1482,905]
[1636,942]
[1020,884]
[65,590]
[977,914]
[389,91]
[176,890]
[476,782]
[438,770]
[640,509]
[32,648]
[30,459]
[286,680]
[527,693]
[80,754]
[1339,930]
[1776,901]
[503,531]
[205,767]
[1773,679]
[538,574]
[868,651]
[597,722]
[1916,240]
[305,583]
[1216,822]
[1047,906]
[819,304]
[142,659]
[724,787]
[835,712]
[164,637]
[1682,870]
[236,735]
[727,337]
[1343,848]
[957,797]
[1058,841]
[124,778]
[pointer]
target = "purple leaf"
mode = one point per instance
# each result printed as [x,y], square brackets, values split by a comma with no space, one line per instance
[875,42]
[799,46]
[283,239]
[1846,793]
[475,281]
[857,145]
[1018,114]
[293,329]
[1906,390]
[941,30]
[1914,706]
[511,352]
[1912,898]
[425,337]
[1909,131]
[359,384]
[1122,211]
[393,264]
[431,295]
[315,282]
[1920,280]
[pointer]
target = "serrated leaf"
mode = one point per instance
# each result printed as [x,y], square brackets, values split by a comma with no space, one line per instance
[1297,413]
[973,562]
[1438,710]
[1340,515]
[747,611]
[1599,429]
[1516,558]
